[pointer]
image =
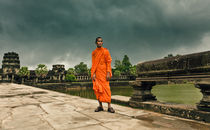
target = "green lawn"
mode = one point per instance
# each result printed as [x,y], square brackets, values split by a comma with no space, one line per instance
[177,93]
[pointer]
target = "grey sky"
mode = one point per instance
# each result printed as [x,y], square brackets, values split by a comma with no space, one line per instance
[64,31]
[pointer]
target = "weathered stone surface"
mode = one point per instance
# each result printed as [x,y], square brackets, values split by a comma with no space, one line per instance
[49,110]
[205,101]
[180,110]
[192,67]
[178,65]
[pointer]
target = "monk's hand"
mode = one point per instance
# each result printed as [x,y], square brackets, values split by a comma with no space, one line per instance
[94,76]
[108,76]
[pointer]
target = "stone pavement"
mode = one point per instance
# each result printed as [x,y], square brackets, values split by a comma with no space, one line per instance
[28,108]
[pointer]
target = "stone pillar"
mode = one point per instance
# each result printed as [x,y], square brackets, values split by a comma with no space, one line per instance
[37,79]
[22,80]
[141,92]
[204,104]
[59,77]
[12,78]
[64,77]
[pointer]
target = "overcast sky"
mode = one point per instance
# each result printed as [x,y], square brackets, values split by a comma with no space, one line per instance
[63,31]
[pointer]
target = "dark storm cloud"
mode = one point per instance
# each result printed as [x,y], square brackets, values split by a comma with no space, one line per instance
[63,31]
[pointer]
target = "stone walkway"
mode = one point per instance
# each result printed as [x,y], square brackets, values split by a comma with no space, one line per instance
[28,108]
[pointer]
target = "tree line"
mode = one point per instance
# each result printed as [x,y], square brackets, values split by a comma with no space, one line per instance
[123,67]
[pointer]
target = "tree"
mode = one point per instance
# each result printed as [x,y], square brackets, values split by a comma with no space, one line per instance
[23,73]
[71,71]
[169,55]
[41,71]
[70,77]
[133,71]
[81,69]
[126,64]
[118,65]
[117,73]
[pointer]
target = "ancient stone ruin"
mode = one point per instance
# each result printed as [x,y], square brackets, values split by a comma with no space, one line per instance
[10,66]
[58,72]
[193,67]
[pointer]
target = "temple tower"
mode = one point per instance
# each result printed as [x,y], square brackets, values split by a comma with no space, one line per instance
[58,72]
[10,65]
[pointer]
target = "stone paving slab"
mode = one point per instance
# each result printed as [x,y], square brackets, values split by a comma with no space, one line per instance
[28,108]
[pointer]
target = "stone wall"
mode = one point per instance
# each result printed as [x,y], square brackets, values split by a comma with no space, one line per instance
[191,64]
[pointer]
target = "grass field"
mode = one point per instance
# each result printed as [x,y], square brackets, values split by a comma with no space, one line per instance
[177,93]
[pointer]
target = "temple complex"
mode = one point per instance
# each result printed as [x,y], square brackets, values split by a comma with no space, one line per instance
[11,67]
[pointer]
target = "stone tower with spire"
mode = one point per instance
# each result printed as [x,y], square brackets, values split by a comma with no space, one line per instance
[10,65]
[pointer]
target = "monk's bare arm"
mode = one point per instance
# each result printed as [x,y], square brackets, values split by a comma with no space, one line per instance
[94,76]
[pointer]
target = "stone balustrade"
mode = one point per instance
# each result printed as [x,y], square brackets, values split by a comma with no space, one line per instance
[82,78]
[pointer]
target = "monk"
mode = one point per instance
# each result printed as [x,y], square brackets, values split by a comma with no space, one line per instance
[101,73]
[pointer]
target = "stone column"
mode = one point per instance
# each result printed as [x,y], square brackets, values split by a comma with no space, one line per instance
[22,80]
[204,104]
[141,92]
[59,77]
[63,77]
[12,78]
[7,77]
[37,79]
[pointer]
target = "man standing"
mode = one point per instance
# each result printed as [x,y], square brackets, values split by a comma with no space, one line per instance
[101,73]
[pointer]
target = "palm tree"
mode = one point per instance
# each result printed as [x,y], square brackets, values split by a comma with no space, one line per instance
[41,71]
[23,73]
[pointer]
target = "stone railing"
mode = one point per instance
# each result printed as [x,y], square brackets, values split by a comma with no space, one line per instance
[121,77]
[86,78]
[83,78]
[193,67]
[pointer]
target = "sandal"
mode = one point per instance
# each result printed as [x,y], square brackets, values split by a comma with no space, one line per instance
[99,109]
[111,110]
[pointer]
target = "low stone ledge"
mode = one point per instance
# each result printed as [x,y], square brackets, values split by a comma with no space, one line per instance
[122,100]
[64,86]
[179,110]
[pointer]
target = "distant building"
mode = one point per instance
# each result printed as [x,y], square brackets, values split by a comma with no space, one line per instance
[10,66]
[57,73]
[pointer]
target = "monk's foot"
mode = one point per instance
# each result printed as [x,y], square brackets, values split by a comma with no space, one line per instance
[110,109]
[99,109]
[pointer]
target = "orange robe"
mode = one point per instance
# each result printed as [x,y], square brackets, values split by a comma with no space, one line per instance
[101,64]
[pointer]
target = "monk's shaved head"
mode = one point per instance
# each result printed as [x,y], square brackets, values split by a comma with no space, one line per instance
[98,39]
[99,42]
